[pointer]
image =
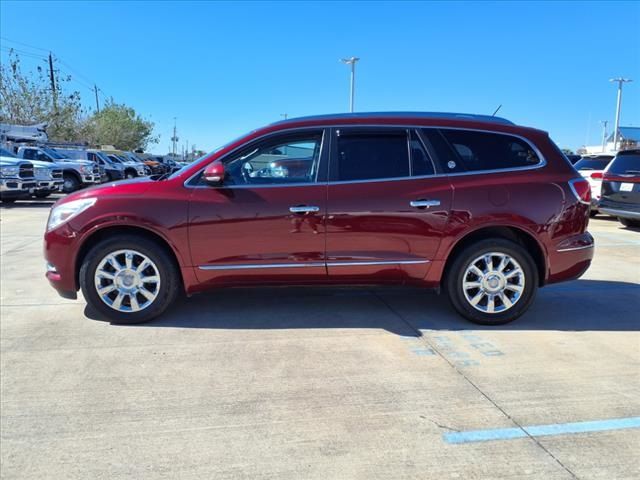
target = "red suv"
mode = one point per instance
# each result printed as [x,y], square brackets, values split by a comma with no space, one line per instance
[473,205]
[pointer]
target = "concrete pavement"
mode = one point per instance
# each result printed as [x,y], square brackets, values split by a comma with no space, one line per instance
[316,383]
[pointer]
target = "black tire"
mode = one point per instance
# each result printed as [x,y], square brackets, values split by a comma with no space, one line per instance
[41,194]
[71,183]
[593,213]
[8,200]
[628,222]
[130,174]
[456,272]
[170,283]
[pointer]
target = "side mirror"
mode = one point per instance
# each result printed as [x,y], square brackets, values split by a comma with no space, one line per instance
[214,173]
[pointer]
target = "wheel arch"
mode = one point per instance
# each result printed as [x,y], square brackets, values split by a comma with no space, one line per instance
[508,232]
[100,234]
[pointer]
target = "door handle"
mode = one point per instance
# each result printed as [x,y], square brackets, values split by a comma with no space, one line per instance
[422,203]
[304,209]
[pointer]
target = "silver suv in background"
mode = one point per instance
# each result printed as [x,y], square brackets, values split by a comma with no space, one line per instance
[113,170]
[132,168]
[76,173]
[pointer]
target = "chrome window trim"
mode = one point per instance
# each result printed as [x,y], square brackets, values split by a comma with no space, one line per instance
[541,164]
[253,266]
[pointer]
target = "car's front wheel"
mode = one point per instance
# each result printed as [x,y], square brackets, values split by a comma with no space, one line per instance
[129,279]
[492,282]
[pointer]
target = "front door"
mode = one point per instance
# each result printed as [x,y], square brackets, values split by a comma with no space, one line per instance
[387,207]
[265,224]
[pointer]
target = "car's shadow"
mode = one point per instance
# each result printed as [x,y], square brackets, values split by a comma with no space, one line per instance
[575,306]
[34,203]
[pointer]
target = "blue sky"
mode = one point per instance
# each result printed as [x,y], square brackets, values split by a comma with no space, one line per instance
[225,68]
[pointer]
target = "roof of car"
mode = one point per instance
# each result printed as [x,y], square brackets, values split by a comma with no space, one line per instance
[400,115]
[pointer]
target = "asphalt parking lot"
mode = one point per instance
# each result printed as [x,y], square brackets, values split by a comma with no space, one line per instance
[312,383]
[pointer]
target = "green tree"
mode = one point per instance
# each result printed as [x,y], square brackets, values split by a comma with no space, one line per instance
[567,151]
[120,126]
[27,98]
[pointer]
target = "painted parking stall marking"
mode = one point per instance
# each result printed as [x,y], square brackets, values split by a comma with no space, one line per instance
[473,436]
[464,348]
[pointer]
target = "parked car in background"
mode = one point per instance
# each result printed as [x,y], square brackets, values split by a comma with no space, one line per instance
[592,167]
[573,158]
[132,169]
[48,175]
[17,179]
[75,174]
[621,188]
[355,199]
[112,170]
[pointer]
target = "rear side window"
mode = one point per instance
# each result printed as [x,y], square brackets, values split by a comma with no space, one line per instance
[477,151]
[593,163]
[369,156]
[626,164]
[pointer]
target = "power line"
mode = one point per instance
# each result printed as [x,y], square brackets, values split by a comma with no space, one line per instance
[23,44]
[75,75]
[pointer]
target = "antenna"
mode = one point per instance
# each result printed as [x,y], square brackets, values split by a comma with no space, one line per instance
[494,113]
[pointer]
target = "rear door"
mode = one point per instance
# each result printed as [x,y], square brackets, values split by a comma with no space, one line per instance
[387,208]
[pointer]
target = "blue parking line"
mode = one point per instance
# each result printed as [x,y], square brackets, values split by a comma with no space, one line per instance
[472,436]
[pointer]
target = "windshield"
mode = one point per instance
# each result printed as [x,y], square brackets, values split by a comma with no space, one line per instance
[103,157]
[629,164]
[53,154]
[599,163]
[6,153]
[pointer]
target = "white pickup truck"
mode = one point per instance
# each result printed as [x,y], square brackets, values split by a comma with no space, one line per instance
[16,179]
[75,173]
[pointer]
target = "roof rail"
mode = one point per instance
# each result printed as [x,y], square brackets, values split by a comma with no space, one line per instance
[439,115]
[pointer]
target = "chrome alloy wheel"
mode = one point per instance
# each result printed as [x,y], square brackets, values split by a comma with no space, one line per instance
[127,280]
[493,282]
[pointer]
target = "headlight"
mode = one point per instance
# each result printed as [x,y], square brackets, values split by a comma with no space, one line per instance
[86,169]
[65,212]
[9,171]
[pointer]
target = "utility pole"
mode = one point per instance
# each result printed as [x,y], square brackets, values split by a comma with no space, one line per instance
[351,61]
[604,134]
[52,78]
[284,115]
[95,89]
[616,131]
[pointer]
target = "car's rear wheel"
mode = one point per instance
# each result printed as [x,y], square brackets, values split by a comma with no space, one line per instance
[492,282]
[628,222]
[129,279]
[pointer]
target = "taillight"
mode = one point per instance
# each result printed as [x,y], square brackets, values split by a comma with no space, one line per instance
[597,175]
[581,189]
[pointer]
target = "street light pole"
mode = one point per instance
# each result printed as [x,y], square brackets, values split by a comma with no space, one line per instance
[351,61]
[604,134]
[616,133]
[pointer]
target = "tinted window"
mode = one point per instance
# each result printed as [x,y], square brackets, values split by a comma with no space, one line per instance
[364,156]
[29,154]
[593,163]
[287,160]
[420,162]
[489,151]
[626,164]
